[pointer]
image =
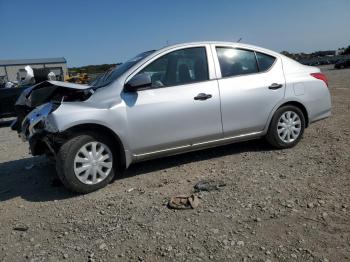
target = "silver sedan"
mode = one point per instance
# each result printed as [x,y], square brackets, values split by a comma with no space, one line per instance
[180,98]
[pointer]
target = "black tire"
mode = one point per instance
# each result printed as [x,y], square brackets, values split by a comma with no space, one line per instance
[65,163]
[272,135]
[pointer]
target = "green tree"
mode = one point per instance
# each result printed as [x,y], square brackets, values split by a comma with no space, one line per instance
[347,51]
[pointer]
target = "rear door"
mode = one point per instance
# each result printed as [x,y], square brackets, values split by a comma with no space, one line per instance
[181,108]
[251,84]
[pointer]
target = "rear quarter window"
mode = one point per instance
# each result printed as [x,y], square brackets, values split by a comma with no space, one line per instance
[264,61]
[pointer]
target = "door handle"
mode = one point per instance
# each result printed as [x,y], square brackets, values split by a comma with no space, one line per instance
[202,96]
[275,86]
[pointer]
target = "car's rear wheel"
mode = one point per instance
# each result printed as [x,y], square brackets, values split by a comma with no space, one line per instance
[286,127]
[86,163]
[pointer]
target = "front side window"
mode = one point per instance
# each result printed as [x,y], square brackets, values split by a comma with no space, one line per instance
[178,68]
[235,62]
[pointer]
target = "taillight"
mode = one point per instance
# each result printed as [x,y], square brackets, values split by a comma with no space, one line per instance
[321,77]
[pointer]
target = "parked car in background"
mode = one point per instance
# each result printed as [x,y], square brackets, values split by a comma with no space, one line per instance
[9,92]
[180,98]
[8,97]
[344,63]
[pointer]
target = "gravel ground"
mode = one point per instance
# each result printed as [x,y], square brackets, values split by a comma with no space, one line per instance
[277,205]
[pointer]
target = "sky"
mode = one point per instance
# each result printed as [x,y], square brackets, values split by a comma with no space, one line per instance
[107,31]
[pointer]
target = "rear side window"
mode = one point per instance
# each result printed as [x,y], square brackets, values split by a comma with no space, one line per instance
[235,62]
[264,61]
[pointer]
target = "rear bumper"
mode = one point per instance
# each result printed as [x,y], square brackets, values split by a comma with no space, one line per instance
[319,104]
[321,116]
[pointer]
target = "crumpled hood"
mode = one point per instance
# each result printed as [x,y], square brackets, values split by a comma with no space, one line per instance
[67,85]
[47,90]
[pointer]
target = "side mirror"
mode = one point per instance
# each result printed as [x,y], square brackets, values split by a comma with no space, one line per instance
[138,82]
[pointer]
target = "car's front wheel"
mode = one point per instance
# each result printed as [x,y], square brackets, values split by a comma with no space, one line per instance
[85,163]
[286,127]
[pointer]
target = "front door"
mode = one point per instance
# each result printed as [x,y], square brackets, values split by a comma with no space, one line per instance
[182,107]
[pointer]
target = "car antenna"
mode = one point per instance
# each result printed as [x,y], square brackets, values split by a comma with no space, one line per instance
[239,40]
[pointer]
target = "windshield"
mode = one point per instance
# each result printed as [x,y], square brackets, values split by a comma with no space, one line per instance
[112,74]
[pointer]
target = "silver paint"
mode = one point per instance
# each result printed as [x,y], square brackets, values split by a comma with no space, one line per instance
[157,122]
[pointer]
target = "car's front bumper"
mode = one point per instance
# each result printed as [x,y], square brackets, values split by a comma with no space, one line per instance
[37,122]
[37,143]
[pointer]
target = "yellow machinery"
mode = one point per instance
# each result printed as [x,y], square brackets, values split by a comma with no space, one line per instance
[80,78]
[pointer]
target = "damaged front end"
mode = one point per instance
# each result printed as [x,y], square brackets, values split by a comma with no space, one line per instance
[33,108]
